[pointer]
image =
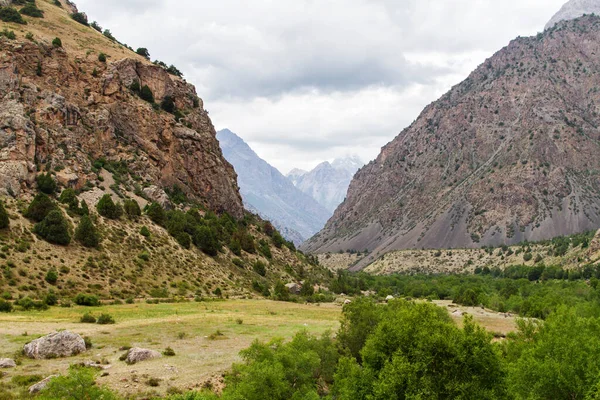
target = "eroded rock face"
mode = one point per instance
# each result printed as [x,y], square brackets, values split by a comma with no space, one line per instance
[136,354]
[7,363]
[59,344]
[508,155]
[68,117]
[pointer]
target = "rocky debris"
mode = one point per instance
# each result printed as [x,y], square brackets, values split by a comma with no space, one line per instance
[7,363]
[59,344]
[93,364]
[502,158]
[158,195]
[137,354]
[574,9]
[294,288]
[41,385]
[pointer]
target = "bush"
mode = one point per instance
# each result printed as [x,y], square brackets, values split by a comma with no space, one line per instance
[88,300]
[87,318]
[105,319]
[9,35]
[9,14]
[57,42]
[260,268]
[157,214]
[40,207]
[102,57]
[51,299]
[206,240]
[146,94]
[527,256]
[81,18]
[168,104]
[4,220]
[5,306]
[45,183]
[86,233]
[69,197]
[54,228]
[108,209]
[31,10]
[145,232]
[51,277]
[169,352]
[132,209]
[78,384]
[142,51]
[107,33]
[96,26]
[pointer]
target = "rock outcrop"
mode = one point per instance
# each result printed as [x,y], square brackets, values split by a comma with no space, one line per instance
[59,344]
[510,154]
[41,385]
[61,111]
[136,354]
[574,9]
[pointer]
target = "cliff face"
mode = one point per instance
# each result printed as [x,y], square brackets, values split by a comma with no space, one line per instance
[510,154]
[574,9]
[61,110]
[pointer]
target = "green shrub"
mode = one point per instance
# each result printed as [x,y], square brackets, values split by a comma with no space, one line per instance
[206,240]
[132,209]
[96,26]
[238,263]
[145,232]
[57,42]
[51,299]
[88,300]
[51,277]
[146,94]
[168,104]
[31,10]
[102,57]
[108,209]
[57,3]
[5,306]
[86,233]
[87,318]
[527,256]
[45,183]
[78,384]
[40,207]
[107,33]
[260,268]
[9,14]
[54,228]
[4,220]
[8,34]
[169,352]
[144,255]
[69,197]
[81,18]
[142,51]
[105,319]
[157,214]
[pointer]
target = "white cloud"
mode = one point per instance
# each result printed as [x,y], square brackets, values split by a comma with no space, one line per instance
[305,80]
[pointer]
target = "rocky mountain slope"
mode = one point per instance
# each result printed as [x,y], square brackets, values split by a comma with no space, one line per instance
[328,182]
[574,9]
[510,154]
[265,189]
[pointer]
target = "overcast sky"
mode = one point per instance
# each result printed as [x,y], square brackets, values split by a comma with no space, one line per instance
[304,81]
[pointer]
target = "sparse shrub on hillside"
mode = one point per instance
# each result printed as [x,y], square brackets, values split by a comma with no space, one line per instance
[57,42]
[51,298]
[102,57]
[46,183]
[4,220]
[142,51]
[107,33]
[135,86]
[264,249]
[174,71]
[145,232]
[146,94]
[268,229]
[54,228]
[57,3]
[260,268]
[206,240]
[81,18]
[108,209]
[5,306]
[78,384]
[169,352]
[69,197]
[52,276]
[88,300]
[144,255]
[168,104]
[157,214]
[105,319]
[527,256]
[96,26]
[235,247]
[31,10]
[8,34]
[278,240]
[246,241]
[87,318]
[86,233]
[10,14]
[238,263]
[132,209]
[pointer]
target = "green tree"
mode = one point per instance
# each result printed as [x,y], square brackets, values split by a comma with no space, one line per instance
[168,104]
[235,247]
[108,209]
[102,57]
[31,10]
[4,220]
[157,214]
[278,240]
[79,384]
[84,210]
[51,276]
[86,233]
[142,51]
[69,197]
[57,42]
[9,14]
[206,240]
[132,209]
[40,207]
[80,17]
[146,94]
[45,183]
[54,228]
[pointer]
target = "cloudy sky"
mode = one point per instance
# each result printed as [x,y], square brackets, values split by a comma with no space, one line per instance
[304,81]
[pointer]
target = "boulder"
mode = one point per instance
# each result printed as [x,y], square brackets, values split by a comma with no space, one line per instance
[7,363]
[59,344]
[41,385]
[388,298]
[137,354]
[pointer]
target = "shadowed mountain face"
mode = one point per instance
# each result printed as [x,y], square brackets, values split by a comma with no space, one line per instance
[328,182]
[574,9]
[510,154]
[271,194]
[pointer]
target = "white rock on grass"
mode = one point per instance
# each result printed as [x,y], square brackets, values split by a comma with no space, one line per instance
[136,354]
[7,363]
[59,344]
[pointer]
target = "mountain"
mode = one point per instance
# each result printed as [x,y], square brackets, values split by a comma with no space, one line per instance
[328,183]
[510,154]
[295,174]
[265,189]
[574,9]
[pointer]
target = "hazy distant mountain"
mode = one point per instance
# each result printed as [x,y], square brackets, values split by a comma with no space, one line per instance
[575,9]
[264,189]
[327,183]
